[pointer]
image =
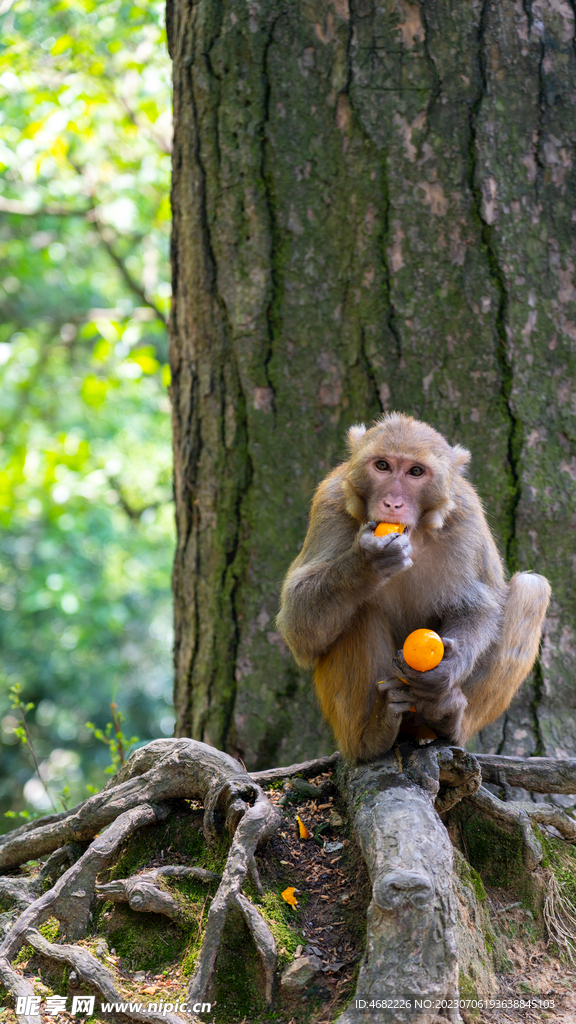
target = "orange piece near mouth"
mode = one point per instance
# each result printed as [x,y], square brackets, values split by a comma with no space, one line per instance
[383,529]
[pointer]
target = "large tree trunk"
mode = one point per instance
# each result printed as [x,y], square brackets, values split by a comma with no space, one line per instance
[372,210]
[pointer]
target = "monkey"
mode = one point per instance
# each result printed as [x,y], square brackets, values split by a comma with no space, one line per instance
[351,598]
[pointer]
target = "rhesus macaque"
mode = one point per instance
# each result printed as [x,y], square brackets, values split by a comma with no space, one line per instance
[350,598]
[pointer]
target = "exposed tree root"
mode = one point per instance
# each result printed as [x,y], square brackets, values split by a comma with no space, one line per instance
[536,774]
[17,986]
[411,947]
[142,893]
[548,814]
[458,776]
[163,770]
[70,899]
[259,822]
[306,769]
[20,891]
[520,814]
[517,817]
[98,977]
[139,795]
[560,918]
[393,804]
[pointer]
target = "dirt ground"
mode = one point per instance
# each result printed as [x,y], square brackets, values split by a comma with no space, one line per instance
[333,890]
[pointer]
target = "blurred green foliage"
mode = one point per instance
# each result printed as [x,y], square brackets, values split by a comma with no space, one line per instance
[86,523]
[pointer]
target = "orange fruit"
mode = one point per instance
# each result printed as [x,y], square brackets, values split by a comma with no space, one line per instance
[423,650]
[383,529]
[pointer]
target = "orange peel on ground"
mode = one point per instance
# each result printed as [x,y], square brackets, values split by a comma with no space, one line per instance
[303,831]
[289,897]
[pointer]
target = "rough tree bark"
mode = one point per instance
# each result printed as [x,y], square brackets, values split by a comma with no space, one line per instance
[372,210]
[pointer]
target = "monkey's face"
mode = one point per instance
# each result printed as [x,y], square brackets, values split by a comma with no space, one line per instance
[401,471]
[395,488]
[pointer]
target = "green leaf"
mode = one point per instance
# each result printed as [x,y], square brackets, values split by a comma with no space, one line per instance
[94,391]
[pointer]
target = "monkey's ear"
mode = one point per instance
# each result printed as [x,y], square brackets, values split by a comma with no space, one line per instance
[354,435]
[460,457]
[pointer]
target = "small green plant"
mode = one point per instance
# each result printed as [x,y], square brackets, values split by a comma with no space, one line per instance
[23,734]
[118,746]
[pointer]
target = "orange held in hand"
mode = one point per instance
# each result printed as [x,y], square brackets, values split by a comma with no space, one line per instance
[423,650]
[383,529]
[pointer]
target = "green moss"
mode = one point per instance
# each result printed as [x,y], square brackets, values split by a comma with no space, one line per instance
[239,993]
[151,942]
[23,955]
[50,929]
[55,976]
[502,962]
[561,858]
[467,990]
[191,894]
[146,942]
[182,835]
[495,853]
[283,924]
[472,878]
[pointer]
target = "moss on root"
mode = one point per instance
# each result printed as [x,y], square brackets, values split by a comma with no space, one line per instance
[471,877]
[182,835]
[239,994]
[145,942]
[495,852]
[280,918]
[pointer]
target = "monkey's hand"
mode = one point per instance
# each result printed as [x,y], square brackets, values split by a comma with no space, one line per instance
[436,694]
[397,697]
[387,555]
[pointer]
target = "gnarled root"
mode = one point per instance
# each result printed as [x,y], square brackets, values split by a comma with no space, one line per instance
[517,817]
[142,893]
[139,794]
[520,814]
[258,822]
[411,949]
[17,986]
[94,974]
[536,774]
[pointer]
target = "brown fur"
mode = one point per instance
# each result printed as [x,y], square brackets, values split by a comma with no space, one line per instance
[350,599]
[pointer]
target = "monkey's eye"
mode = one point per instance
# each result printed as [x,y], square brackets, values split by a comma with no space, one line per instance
[416,471]
[382,465]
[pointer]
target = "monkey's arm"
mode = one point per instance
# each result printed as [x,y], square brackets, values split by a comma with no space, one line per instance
[469,633]
[338,569]
[490,649]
